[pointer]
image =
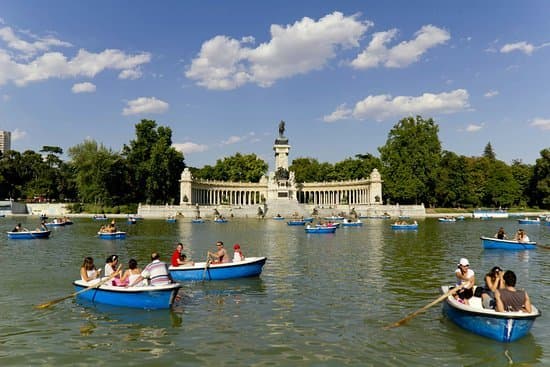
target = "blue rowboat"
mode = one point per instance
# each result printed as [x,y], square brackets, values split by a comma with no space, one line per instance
[197,220]
[131,221]
[249,267]
[320,229]
[152,297]
[171,220]
[55,224]
[223,220]
[334,217]
[308,219]
[112,236]
[500,326]
[296,222]
[352,224]
[99,217]
[28,235]
[495,243]
[460,217]
[407,227]
[279,218]
[529,221]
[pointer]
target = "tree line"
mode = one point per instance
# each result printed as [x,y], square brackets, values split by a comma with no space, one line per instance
[413,166]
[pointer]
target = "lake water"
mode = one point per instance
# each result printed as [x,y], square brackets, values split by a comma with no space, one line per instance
[322,300]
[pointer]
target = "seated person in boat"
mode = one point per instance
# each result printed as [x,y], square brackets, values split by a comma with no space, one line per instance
[220,256]
[501,235]
[179,258]
[131,275]
[509,299]
[111,264]
[237,253]
[155,273]
[493,281]
[19,228]
[88,271]
[466,278]
[42,227]
[521,236]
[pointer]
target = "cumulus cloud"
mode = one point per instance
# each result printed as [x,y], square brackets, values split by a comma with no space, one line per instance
[26,48]
[525,47]
[405,53]
[225,63]
[130,74]
[543,124]
[491,94]
[190,147]
[18,134]
[237,139]
[28,62]
[472,128]
[85,87]
[144,105]
[381,107]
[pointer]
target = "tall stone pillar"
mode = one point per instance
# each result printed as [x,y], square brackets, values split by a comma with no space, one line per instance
[185,187]
[375,192]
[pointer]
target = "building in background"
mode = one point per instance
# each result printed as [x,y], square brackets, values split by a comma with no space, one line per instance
[5,141]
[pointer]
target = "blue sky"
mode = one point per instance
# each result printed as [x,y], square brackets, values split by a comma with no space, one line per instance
[222,74]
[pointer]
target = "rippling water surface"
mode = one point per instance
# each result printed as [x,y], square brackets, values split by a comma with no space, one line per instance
[321,300]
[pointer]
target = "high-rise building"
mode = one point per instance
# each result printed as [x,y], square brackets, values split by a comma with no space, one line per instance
[5,141]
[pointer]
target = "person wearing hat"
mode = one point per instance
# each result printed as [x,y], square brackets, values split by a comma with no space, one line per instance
[237,253]
[465,278]
[493,281]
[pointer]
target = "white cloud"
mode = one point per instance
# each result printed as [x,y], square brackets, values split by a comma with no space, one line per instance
[190,147]
[543,124]
[403,54]
[472,128]
[130,74]
[341,113]
[85,87]
[523,46]
[18,134]
[29,48]
[232,140]
[144,105]
[491,94]
[237,139]
[224,63]
[381,107]
[33,62]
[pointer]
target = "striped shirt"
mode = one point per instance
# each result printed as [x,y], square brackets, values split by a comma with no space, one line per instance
[157,273]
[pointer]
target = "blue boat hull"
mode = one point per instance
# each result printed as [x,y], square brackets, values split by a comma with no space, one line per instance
[500,328]
[112,236]
[494,243]
[150,298]
[296,223]
[528,221]
[197,220]
[321,230]
[407,227]
[352,224]
[252,268]
[30,235]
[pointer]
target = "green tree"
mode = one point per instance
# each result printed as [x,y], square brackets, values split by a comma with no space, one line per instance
[237,168]
[410,161]
[155,166]
[489,153]
[540,182]
[523,175]
[452,189]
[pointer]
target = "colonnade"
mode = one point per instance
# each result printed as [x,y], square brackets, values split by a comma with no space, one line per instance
[334,196]
[219,196]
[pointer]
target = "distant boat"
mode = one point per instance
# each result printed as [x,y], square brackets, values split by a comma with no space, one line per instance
[55,223]
[413,226]
[495,243]
[460,217]
[501,326]
[250,267]
[171,219]
[112,235]
[308,219]
[310,229]
[131,220]
[347,223]
[278,217]
[220,220]
[152,297]
[529,221]
[99,217]
[446,220]
[197,220]
[28,235]
[296,222]
[334,217]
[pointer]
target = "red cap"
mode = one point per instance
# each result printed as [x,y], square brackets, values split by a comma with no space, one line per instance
[236,246]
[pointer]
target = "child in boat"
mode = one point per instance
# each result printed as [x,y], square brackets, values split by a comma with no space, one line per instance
[237,253]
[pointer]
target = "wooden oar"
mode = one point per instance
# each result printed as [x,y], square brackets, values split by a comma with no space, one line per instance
[206,264]
[99,284]
[543,246]
[423,309]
